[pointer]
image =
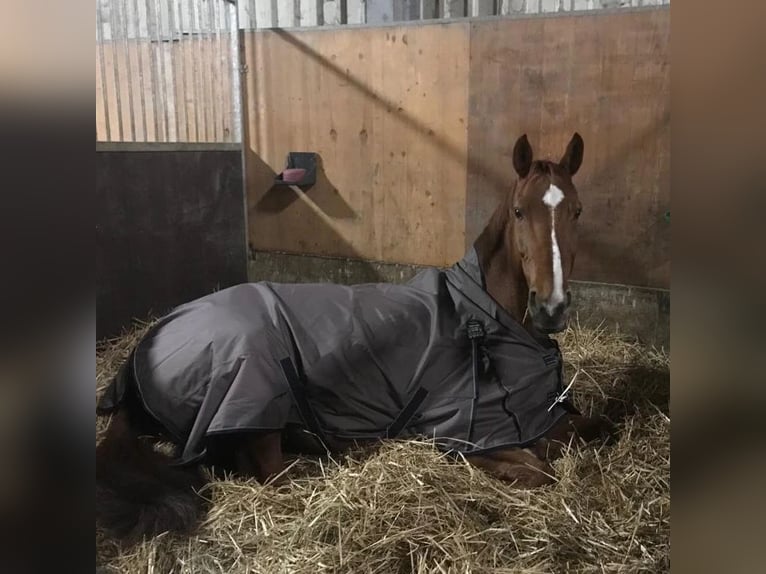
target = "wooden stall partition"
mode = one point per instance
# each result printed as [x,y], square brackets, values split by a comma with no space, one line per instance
[606,76]
[385,109]
[415,126]
[177,91]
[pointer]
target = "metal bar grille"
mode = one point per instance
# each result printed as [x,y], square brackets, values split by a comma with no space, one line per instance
[168,70]
[310,13]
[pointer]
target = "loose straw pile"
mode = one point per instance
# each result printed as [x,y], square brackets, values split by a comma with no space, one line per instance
[404,507]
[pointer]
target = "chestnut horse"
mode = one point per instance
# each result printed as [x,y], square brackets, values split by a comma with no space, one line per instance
[526,253]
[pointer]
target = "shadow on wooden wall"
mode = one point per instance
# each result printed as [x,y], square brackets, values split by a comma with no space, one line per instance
[279,197]
[327,204]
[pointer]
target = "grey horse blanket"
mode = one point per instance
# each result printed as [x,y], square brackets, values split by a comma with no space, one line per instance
[436,358]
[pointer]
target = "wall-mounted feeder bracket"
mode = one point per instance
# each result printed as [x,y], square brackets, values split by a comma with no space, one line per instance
[301,170]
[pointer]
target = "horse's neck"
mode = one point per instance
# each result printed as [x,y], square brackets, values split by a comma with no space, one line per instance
[501,263]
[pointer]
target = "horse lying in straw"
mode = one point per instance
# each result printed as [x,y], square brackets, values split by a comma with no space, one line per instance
[461,356]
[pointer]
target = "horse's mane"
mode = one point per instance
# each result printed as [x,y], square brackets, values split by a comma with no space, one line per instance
[490,240]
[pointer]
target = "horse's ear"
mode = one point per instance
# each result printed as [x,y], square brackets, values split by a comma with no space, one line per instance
[572,159]
[522,156]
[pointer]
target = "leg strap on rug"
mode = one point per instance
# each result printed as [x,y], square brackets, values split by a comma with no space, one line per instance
[298,391]
[475,333]
[409,410]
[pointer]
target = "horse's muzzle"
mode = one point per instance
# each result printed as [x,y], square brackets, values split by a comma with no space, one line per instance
[549,318]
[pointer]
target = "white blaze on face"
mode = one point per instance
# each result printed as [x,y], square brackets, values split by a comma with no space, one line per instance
[552,198]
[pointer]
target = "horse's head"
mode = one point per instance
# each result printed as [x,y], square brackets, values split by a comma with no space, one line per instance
[544,209]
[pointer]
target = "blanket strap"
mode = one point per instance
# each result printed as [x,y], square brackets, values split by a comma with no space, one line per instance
[298,392]
[475,335]
[561,397]
[407,413]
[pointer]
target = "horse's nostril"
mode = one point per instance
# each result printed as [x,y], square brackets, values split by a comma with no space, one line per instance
[555,312]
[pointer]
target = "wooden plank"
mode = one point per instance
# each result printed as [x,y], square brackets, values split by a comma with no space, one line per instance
[606,76]
[192,61]
[191,110]
[139,111]
[111,92]
[101,102]
[392,141]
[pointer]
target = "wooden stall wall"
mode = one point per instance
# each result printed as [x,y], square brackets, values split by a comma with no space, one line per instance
[415,126]
[608,77]
[385,108]
[194,104]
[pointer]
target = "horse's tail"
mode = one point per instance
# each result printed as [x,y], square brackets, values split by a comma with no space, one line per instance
[138,492]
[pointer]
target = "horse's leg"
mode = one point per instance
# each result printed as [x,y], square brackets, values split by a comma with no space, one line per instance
[520,466]
[260,455]
[587,429]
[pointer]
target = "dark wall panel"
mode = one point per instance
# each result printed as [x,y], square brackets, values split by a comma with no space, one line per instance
[170,228]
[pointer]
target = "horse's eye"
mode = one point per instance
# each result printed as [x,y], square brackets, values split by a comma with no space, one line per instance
[517,213]
[578,211]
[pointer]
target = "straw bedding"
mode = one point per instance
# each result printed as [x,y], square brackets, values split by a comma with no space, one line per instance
[404,507]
